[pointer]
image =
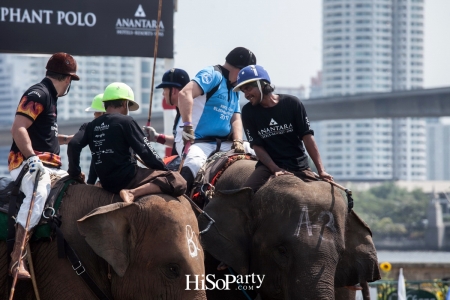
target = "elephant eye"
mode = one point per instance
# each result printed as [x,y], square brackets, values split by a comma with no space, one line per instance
[282,250]
[172,271]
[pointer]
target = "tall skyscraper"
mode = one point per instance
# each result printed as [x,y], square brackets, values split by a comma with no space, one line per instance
[372,46]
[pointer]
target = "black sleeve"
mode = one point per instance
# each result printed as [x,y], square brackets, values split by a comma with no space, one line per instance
[92,178]
[249,128]
[302,121]
[141,146]
[76,144]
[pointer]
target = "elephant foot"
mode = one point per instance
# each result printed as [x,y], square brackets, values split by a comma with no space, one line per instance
[126,196]
[222,266]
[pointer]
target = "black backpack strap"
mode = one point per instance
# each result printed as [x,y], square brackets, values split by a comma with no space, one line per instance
[64,249]
[12,211]
[214,89]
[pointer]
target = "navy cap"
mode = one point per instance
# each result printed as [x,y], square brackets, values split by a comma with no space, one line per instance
[174,78]
[241,57]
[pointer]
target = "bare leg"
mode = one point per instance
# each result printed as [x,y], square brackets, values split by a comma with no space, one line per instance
[128,196]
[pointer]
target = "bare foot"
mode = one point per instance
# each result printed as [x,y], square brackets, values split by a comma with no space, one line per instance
[222,266]
[126,196]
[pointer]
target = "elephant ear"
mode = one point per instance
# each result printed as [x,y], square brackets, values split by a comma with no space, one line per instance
[358,262]
[107,230]
[228,239]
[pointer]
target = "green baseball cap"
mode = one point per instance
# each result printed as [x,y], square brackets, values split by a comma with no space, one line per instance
[97,104]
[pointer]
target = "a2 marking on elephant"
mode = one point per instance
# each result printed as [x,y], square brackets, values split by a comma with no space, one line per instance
[299,235]
[150,244]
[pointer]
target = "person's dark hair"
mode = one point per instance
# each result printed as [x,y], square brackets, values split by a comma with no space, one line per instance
[267,88]
[113,103]
[57,76]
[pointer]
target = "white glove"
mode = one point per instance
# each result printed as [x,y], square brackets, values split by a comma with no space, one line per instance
[150,133]
[34,164]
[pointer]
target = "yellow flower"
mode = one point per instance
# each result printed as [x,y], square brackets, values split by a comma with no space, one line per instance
[440,295]
[385,266]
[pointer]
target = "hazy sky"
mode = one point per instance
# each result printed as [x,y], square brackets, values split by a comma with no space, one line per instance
[286,37]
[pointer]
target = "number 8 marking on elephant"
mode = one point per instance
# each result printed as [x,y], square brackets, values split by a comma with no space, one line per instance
[192,246]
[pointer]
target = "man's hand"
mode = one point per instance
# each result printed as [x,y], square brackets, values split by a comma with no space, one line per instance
[80,178]
[325,176]
[150,133]
[188,134]
[238,146]
[34,164]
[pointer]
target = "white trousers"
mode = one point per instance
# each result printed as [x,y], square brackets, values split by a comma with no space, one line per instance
[199,152]
[42,191]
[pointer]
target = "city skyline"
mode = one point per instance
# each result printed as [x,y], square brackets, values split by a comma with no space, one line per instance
[286,38]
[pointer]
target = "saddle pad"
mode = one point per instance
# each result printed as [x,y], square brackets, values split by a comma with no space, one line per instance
[41,231]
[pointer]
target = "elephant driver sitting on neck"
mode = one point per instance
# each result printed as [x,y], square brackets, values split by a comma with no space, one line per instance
[111,137]
[277,128]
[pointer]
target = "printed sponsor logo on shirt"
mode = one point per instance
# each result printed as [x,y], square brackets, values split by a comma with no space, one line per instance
[250,139]
[225,112]
[307,121]
[275,130]
[101,127]
[207,78]
[34,92]
[272,122]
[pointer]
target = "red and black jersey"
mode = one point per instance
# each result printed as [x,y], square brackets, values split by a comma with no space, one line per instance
[38,104]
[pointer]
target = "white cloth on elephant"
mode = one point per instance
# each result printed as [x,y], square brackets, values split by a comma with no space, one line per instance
[199,152]
[42,192]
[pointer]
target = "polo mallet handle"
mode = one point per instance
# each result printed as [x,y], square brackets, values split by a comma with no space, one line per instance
[183,156]
[347,191]
[22,242]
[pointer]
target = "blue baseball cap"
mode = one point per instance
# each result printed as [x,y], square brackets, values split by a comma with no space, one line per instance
[174,78]
[250,74]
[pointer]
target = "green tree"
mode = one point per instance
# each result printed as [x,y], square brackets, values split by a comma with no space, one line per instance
[392,211]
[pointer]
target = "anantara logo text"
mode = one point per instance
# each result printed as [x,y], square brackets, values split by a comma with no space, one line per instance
[46,16]
[139,25]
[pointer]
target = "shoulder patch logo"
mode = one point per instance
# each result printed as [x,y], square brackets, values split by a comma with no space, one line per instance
[207,78]
[272,122]
[139,12]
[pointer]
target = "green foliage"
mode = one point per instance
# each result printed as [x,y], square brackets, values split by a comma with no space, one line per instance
[392,211]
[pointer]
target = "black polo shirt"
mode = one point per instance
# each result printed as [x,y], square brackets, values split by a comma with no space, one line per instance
[38,104]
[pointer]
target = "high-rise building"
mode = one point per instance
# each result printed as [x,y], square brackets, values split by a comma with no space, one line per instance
[438,149]
[372,46]
[18,72]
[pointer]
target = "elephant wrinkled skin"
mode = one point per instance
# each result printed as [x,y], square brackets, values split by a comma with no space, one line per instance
[299,235]
[150,245]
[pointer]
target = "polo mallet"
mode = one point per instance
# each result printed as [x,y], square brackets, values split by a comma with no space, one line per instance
[22,243]
[183,156]
[155,53]
[32,273]
[347,191]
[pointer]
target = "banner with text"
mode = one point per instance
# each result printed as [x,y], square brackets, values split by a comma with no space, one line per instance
[86,27]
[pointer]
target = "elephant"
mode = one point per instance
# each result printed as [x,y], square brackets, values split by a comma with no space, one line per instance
[299,235]
[148,247]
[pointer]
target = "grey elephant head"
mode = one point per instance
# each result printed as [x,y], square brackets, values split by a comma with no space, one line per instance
[151,244]
[294,233]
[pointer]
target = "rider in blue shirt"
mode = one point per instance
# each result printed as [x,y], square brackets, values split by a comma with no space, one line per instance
[210,110]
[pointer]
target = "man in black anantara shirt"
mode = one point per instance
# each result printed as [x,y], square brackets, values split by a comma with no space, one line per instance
[110,138]
[276,127]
